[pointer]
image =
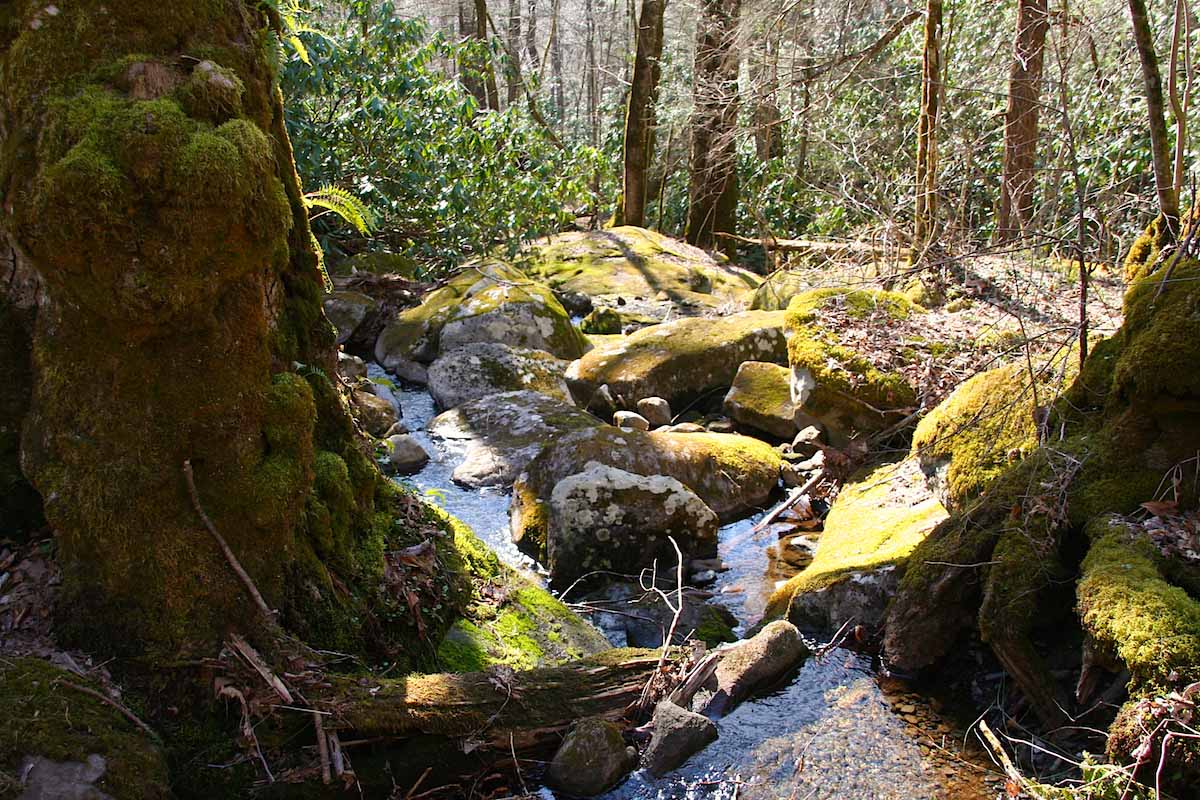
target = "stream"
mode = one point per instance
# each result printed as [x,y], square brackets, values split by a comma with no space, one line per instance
[840,728]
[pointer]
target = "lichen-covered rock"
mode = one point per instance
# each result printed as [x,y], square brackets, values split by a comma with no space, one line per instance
[732,474]
[592,759]
[834,383]
[376,414]
[347,310]
[633,262]
[510,620]
[678,735]
[484,369]
[505,431]
[677,361]
[605,518]
[488,302]
[57,741]
[755,664]
[874,525]
[761,398]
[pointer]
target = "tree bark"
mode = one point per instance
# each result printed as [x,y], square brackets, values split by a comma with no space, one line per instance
[1160,148]
[712,185]
[1021,121]
[764,77]
[927,131]
[491,94]
[168,322]
[513,31]
[640,117]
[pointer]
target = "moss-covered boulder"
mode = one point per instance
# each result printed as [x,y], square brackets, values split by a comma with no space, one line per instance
[59,741]
[875,523]
[732,474]
[510,620]
[592,758]
[605,518]
[347,310]
[846,358]
[486,302]
[678,361]
[630,262]
[761,398]
[777,289]
[985,425]
[484,369]
[504,432]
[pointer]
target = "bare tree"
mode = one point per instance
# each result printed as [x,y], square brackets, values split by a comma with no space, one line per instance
[1168,198]
[1021,120]
[927,148]
[640,112]
[712,186]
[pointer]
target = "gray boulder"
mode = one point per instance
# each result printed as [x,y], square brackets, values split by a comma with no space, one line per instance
[678,735]
[592,759]
[346,311]
[756,664]
[656,410]
[405,454]
[375,414]
[484,369]
[631,420]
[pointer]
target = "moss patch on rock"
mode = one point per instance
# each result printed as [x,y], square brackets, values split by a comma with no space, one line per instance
[485,369]
[43,717]
[761,398]
[677,360]
[634,262]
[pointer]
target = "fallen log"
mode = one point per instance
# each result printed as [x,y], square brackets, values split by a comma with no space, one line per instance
[496,708]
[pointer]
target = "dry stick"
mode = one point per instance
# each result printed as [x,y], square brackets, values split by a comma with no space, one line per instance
[323,749]
[1006,763]
[125,712]
[791,500]
[643,702]
[236,565]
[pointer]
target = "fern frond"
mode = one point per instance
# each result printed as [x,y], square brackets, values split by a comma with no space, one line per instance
[337,201]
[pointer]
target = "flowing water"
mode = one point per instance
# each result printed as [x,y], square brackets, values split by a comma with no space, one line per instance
[837,729]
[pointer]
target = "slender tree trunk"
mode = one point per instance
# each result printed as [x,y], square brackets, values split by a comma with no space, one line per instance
[764,79]
[556,66]
[712,189]
[491,94]
[1168,199]
[513,37]
[640,112]
[531,23]
[1021,121]
[927,131]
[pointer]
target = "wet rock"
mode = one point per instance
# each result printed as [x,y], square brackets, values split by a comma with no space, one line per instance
[756,664]
[346,311]
[631,420]
[678,735]
[405,455]
[485,369]
[678,360]
[396,430]
[733,475]
[592,759]
[761,399]
[874,524]
[577,304]
[636,619]
[505,432]
[351,367]
[487,302]
[605,518]
[375,414]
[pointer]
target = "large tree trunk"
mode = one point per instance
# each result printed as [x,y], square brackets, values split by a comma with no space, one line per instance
[1160,148]
[1021,121]
[168,298]
[712,189]
[927,131]
[640,113]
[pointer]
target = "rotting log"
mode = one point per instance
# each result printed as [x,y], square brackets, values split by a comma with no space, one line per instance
[489,707]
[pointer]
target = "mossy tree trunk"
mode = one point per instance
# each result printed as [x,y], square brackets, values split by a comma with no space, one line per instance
[925,218]
[1021,120]
[712,185]
[640,112]
[168,298]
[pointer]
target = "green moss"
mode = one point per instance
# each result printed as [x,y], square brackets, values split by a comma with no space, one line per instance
[1143,254]
[878,519]
[378,263]
[1129,610]
[45,718]
[714,627]
[602,321]
[1159,335]
[844,375]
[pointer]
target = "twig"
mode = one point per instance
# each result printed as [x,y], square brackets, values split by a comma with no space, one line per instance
[125,712]
[677,607]
[236,565]
[323,750]
[512,746]
[790,501]
[243,648]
